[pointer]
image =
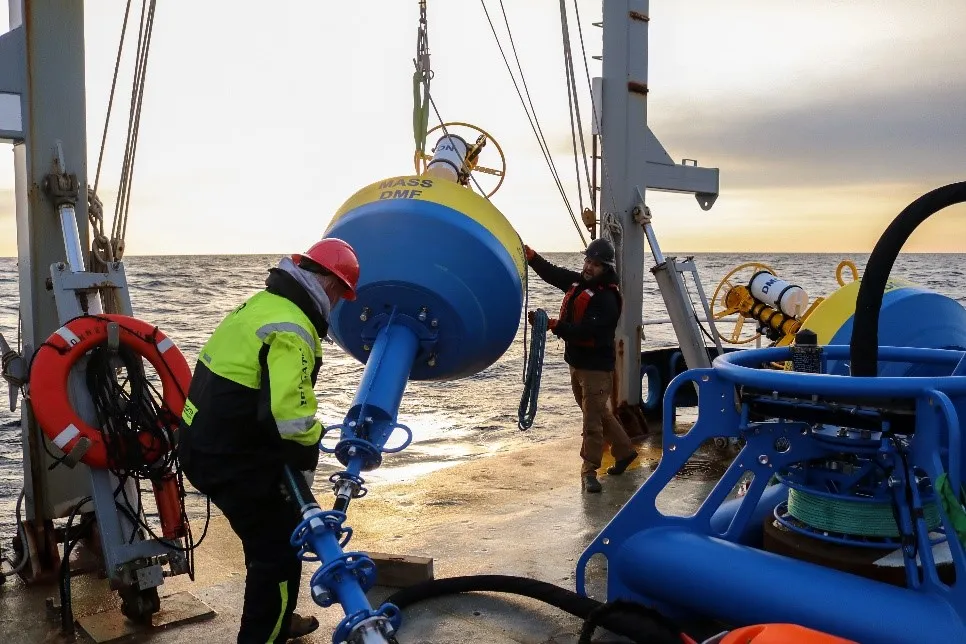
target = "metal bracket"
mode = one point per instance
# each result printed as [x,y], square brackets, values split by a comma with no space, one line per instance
[426,329]
[149,577]
[67,285]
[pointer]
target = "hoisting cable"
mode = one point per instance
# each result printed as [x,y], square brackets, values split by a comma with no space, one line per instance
[574,109]
[635,621]
[101,249]
[533,371]
[105,250]
[593,105]
[421,78]
[122,206]
[534,121]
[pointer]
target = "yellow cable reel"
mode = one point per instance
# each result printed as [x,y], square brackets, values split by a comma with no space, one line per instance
[722,305]
[421,158]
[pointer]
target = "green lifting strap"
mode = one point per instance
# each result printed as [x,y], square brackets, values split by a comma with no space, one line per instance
[420,112]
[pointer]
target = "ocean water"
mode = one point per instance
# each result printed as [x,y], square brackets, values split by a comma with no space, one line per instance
[452,422]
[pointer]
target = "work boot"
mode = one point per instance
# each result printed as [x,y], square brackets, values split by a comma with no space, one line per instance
[300,626]
[590,484]
[618,467]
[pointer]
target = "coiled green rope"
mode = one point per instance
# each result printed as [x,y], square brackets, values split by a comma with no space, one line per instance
[851,517]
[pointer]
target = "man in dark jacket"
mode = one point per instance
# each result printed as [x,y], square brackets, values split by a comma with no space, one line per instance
[251,411]
[588,320]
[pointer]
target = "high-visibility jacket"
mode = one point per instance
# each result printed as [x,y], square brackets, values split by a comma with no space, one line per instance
[251,402]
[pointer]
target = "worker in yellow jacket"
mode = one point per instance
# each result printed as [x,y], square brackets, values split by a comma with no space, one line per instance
[251,411]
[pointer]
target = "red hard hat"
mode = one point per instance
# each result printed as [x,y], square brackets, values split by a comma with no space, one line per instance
[338,258]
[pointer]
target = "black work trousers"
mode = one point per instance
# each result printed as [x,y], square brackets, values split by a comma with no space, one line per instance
[264,521]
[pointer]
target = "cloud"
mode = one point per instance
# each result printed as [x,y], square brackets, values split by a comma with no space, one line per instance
[840,138]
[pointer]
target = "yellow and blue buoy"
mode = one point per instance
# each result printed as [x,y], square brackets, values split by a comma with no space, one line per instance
[433,250]
[910,316]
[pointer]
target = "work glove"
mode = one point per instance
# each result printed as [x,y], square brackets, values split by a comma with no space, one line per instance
[551,323]
[528,252]
[309,477]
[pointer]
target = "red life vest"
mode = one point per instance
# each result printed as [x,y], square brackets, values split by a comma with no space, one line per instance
[575,304]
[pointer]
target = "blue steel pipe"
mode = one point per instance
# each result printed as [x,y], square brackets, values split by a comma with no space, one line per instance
[345,577]
[372,418]
[684,570]
[387,370]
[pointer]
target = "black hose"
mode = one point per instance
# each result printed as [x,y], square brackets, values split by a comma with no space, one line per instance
[864,354]
[66,612]
[638,622]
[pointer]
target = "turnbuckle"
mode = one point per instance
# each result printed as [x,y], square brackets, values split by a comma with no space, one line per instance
[348,486]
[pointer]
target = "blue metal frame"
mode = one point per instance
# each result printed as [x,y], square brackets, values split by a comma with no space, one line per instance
[704,564]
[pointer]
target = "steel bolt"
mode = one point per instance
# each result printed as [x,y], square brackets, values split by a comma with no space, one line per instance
[763,459]
[321,595]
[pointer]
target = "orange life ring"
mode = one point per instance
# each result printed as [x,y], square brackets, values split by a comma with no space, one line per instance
[780,634]
[56,357]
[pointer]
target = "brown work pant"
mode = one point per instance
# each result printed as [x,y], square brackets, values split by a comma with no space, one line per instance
[592,391]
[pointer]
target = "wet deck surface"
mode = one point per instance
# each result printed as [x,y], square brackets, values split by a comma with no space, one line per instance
[515,514]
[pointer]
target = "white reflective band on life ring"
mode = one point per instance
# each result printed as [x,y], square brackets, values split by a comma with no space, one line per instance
[69,336]
[65,436]
[164,345]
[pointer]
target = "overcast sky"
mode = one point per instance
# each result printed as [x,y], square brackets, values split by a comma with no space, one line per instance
[826,118]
